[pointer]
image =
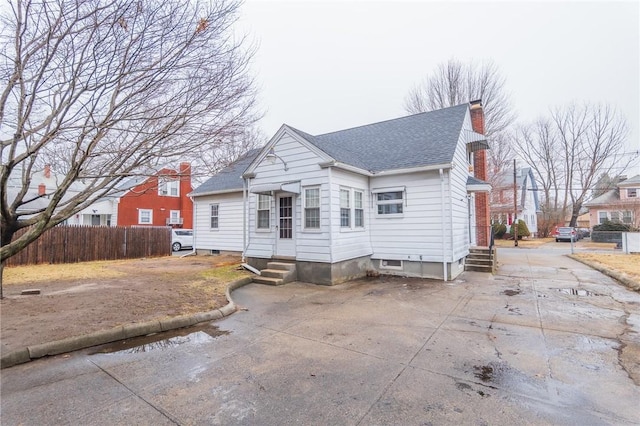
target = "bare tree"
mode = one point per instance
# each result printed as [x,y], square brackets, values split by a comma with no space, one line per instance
[103,89]
[501,153]
[570,150]
[454,83]
[539,146]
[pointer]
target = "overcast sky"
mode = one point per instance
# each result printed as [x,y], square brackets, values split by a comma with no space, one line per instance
[331,65]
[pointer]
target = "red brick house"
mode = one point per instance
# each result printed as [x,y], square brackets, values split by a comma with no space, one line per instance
[160,200]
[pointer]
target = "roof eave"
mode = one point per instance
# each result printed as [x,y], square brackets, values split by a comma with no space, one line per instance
[428,168]
[222,191]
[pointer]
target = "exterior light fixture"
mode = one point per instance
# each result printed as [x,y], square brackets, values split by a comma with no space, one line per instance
[271,158]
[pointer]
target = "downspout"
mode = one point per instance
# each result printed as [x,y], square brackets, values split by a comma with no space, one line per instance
[194,227]
[451,215]
[244,218]
[444,244]
[330,215]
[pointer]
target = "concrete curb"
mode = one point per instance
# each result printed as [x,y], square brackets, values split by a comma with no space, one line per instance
[128,331]
[622,278]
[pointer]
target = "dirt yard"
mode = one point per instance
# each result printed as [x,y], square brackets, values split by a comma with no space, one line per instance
[81,298]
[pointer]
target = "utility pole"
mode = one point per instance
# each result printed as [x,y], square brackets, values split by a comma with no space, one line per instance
[515,206]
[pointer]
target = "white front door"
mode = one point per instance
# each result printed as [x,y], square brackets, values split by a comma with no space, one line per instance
[285,243]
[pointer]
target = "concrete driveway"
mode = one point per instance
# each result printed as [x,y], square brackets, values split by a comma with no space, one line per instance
[545,341]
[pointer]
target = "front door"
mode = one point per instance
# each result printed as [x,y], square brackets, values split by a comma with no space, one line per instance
[285,245]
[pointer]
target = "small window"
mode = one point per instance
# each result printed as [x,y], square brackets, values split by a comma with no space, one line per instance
[390,202]
[632,192]
[145,217]
[615,217]
[602,217]
[174,217]
[168,187]
[358,209]
[345,209]
[214,216]
[264,211]
[312,208]
[627,217]
[390,264]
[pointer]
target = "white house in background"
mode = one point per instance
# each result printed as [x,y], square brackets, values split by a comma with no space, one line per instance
[502,207]
[395,196]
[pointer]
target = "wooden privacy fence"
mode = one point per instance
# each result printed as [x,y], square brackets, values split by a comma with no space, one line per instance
[71,244]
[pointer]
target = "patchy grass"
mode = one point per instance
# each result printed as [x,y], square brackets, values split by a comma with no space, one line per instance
[591,244]
[225,273]
[534,242]
[60,272]
[627,263]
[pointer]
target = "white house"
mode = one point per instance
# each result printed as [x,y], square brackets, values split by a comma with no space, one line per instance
[528,204]
[395,196]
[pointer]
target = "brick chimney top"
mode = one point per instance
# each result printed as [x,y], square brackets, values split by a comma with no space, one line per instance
[476,104]
[47,171]
[42,189]
[477,116]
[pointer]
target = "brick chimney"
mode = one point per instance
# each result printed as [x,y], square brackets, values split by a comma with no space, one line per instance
[483,222]
[42,189]
[47,171]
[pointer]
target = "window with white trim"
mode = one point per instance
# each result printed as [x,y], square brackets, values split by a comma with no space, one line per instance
[215,220]
[174,217]
[168,187]
[145,216]
[627,217]
[632,192]
[358,206]
[264,211]
[389,203]
[312,208]
[390,264]
[602,217]
[345,209]
[615,217]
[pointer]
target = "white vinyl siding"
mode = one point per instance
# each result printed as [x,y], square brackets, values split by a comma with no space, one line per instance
[311,244]
[353,242]
[228,236]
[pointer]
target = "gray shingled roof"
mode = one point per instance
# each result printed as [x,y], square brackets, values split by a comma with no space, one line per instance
[229,178]
[424,139]
[609,197]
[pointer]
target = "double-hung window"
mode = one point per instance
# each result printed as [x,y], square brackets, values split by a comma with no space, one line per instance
[627,217]
[215,211]
[264,211]
[358,206]
[168,187]
[345,209]
[312,208]
[632,192]
[390,203]
[145,217]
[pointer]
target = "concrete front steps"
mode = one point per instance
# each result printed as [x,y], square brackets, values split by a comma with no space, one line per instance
[277,273]
[481,259]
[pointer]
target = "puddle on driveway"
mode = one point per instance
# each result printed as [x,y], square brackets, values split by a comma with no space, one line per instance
[510,292]
[162,341]
[576,292]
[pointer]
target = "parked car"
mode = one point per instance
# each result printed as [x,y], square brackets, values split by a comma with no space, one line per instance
[566,233]
[181,238]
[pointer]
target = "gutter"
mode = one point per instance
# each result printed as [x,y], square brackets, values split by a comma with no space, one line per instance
[444,243]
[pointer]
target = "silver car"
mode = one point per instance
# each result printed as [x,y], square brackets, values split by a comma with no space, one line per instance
[181,238]
[566,233]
